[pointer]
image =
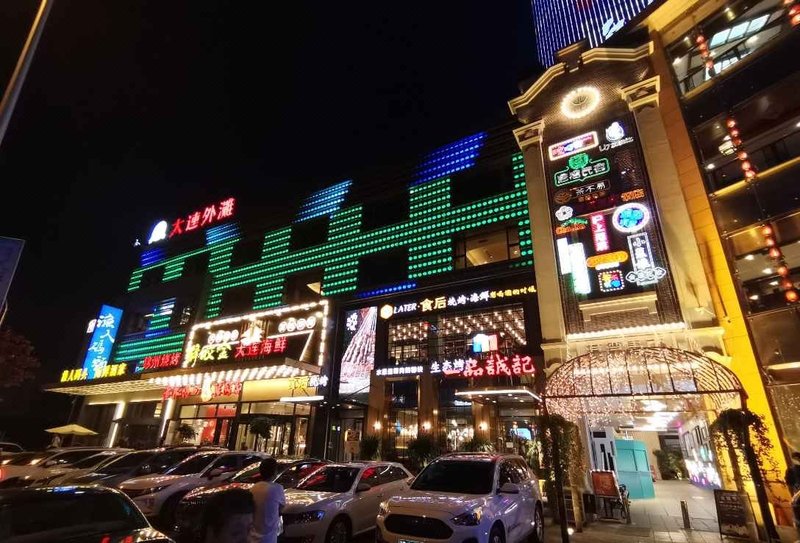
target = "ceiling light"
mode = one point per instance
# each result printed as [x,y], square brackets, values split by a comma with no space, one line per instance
[710,166]
[750,257]
[767,271]
[754,297]
[773,283]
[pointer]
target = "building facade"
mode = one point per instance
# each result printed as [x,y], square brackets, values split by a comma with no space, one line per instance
[338,323]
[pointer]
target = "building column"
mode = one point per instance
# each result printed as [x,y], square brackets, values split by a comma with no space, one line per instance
[119,412]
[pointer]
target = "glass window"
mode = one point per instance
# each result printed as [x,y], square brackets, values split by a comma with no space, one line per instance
[522,469]
[508,474]
[127,461]
[486,247]
[330,479]
[228,462]
[195,464]
[786,399]
[188,411]
[94,460]
[392,474]
[372,476]
[69,457]
[775,335]
[456,476]
[250,474]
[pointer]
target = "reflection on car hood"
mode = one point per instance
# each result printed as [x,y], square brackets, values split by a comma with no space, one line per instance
[437,501]
[297,500]
[143,535]
[149,481]
[204,492]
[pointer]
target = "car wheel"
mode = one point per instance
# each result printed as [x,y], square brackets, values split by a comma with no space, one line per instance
[339,532]
[537,536]
[496,535]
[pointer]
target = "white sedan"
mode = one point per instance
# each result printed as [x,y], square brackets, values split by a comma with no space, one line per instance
[476,497]
[158,495]
[340,501]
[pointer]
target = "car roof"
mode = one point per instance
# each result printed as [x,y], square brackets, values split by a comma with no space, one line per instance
[477,456]
[13,495]
[364,464]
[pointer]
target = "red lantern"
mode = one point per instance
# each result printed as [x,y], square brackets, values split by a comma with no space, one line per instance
[746,165]
[734,132]
[775,253]
[750,175]
[709,64]
[783,271]
[766,230]
[786,284]
[700,39]
[791,296]
[737,142]
[731,122]
[770,242]
[742,155]
[796,20]
[794,10]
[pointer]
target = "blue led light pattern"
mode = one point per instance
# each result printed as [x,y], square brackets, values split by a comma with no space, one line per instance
[451,158]
[151,256]
[387,290]
[563,22]
[223,232]
[324,202]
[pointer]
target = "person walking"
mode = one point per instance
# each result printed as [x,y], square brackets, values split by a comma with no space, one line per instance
[269,501]
[228,517]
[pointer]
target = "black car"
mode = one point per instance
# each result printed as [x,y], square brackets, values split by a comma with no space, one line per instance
[190,508]
[72,514]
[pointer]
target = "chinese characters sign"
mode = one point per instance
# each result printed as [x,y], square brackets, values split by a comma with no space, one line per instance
[492,366]
[81,374]
[206,391]
[102,341]
[439,303]
[572,146]
[580,168]
[160,361]
[196,220]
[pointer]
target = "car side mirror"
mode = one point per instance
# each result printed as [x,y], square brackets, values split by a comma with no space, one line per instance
[508,488]
[363,487]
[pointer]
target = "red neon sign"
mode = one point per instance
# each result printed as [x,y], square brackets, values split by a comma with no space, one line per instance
[495,365]
[169,360]
[208,216]
[599,232]
[225,388]
[268,346]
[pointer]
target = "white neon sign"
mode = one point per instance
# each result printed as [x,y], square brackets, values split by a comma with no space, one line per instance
[580,272]
[645,272]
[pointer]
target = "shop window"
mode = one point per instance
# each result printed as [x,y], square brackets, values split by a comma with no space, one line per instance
[237,300]
[383,268]
[384,212]
[195,265]
[188,412]
[247,251]
[486,247]
[152,277]
[309,233]
[302,287]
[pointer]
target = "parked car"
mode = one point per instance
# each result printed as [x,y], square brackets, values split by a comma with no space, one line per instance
[479,497]
[158,495]
[340,501]
[25,458]
[134,464]
[190,508]
[9,447]
[13,474]
[81,467]
[72,515]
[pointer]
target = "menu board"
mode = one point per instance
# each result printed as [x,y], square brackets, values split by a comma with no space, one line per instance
[732,513]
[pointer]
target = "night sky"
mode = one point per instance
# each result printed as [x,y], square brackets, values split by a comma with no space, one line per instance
[138,109]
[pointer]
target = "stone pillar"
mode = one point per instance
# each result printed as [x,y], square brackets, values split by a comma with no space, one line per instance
[428,403]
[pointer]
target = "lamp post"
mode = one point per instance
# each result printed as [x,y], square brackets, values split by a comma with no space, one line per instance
[23,64]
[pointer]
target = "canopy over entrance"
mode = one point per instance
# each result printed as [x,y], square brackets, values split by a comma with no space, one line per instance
[631,380]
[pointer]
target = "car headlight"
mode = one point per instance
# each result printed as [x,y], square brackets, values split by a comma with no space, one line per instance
[303,518]
[470,518]
[383,509]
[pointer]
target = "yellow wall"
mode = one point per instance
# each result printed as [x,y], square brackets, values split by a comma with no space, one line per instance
[723,291]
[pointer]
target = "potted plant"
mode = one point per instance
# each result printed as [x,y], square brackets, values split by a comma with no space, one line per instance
[422,450]
[368,447]
[186,433]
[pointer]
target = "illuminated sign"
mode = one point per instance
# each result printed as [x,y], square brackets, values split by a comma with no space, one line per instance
[159,361]
[635,194]
[578,269]
[102,341]
[483,343]
[583,193]
[209,215]
[257,336]
[599,232]
[358,359]
[206,391]
[629,218]
[575,224]
[610,280]
[607,259]
[438,303]
[615,135]
[399,370]
[302,382]
[494,365]
[645,272]
[580,168]
[82,374]
[572,146]
[580,102]
[563,213]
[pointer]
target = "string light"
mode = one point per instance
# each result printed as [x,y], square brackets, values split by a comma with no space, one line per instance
[705,53]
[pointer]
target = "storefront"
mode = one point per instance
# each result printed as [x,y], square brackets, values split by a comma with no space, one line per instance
[457,361]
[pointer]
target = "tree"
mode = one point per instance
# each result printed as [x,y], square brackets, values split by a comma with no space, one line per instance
[17,359]
[262,427]
[422,450]
[369,447]
[186,432]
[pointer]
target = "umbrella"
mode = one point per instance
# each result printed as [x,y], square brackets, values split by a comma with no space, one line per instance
[72,429]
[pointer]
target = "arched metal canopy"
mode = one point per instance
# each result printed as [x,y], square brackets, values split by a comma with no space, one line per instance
[615,380]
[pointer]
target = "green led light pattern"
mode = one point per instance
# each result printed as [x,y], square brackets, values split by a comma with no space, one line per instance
[138,349]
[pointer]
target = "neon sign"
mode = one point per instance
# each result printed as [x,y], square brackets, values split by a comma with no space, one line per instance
[438,303]
[610,280]
[584,193]
[206,391]
[169,360]
[572,146]
[494,365]
[483,343]
[607,260]
[102,341]
[599,232]
[575,224]
[82,374]
[635,194]
[615,135]
[580,168]
[564,213]
[631,217]
[645,272]
[209,215]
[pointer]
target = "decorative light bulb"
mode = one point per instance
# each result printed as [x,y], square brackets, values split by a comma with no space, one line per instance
[731,122]
[775,253]
[783,271]
[766,230]
[791,296]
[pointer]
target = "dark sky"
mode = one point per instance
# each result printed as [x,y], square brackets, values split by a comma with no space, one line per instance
[134,109]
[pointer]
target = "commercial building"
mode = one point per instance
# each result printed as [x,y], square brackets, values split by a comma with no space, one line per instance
[369,311]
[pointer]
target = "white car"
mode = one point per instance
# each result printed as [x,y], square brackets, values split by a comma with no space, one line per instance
[158,495]
[14,474]
[476,497]
[81,467]
[340,501]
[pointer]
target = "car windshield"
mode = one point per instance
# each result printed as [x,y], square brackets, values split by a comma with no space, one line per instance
[65,513]
[25,459]
[457,476]
[330,479]
[293,475]
[94,460]
[249,474]
[193,464]
[127,461]
[67,458]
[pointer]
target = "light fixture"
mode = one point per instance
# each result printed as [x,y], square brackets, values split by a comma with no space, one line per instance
[482,426]
[754,297]
[767,271]
[750,257]
[710,166]
[580,102]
